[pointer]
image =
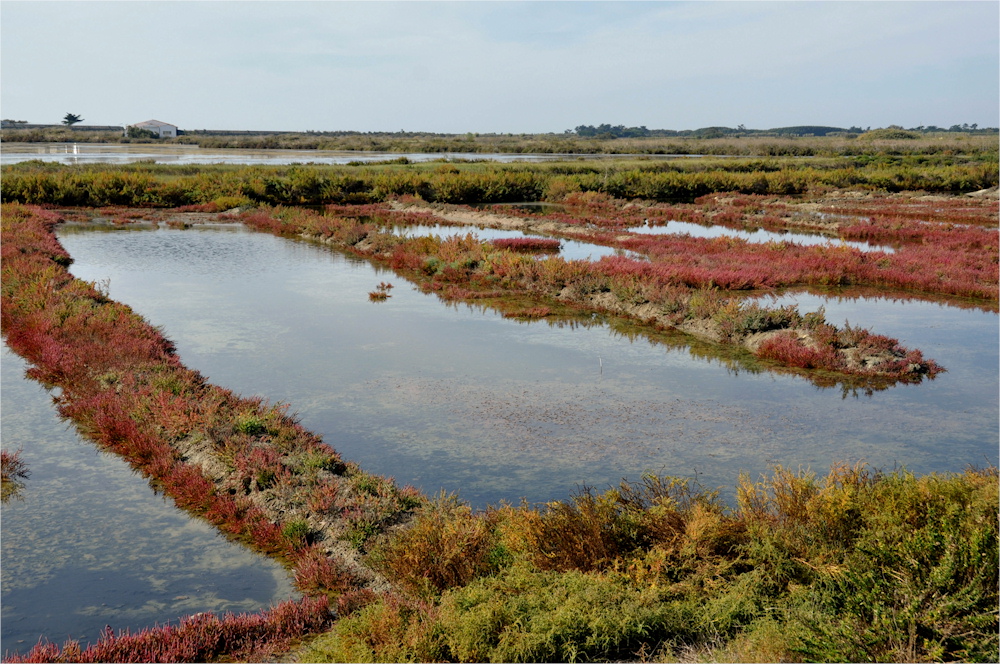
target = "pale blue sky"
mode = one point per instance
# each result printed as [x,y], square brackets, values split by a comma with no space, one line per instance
[501,66]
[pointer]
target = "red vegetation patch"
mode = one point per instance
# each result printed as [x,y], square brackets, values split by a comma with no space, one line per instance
[530,312]
[528,245]
[849,349]
[318,574]
[12,466]
[381,292]
[123,386]
[199,638]
[787,348]
[965,210]
[942,246]
[355,600]
[13,472]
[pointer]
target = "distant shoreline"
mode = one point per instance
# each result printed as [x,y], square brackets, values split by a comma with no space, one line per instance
[768,146]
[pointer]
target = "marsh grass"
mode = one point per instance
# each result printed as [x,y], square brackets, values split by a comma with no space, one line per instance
[858,565]
[971,167]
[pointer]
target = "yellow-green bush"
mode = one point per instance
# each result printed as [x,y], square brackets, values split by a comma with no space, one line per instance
[857,565]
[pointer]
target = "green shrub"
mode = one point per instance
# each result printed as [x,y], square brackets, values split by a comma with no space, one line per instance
[919,579]
[317,460]
[250,424]
[446,546]
[858,565]
[391,630]
[531,616]
[265,478]
[297,530]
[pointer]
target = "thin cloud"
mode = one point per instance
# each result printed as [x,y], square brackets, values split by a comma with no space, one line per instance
[501,66]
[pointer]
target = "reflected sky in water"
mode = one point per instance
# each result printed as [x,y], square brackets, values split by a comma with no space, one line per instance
[759,236]
[87,543]
[457,397]
[570,250]
[104,153]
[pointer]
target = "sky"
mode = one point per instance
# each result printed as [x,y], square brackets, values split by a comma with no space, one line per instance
[501,66]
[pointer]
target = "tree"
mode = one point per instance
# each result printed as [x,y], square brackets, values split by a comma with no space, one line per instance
[139,132]
[71,119]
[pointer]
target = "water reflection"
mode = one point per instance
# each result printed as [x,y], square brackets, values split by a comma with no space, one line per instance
[759,236]
[569,249]
[458,397]
[104,153]
[89,544]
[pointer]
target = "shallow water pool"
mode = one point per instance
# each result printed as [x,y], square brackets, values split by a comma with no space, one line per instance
[457,397]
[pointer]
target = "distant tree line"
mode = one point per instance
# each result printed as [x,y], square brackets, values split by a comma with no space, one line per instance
[621,131]
[607,131]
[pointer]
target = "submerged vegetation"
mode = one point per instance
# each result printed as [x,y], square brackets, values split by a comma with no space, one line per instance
[856,565]
[13,472]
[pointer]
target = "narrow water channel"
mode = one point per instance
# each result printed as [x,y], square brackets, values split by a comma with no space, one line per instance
[86,543]
[758,236]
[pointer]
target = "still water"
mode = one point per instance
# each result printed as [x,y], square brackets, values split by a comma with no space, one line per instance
[106,153]
[87,543]
[758,236]
[570,250]
[459,398]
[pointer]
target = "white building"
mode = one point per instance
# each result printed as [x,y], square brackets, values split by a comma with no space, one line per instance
[161,129]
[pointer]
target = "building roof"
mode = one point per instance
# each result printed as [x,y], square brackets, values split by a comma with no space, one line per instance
[154,123]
